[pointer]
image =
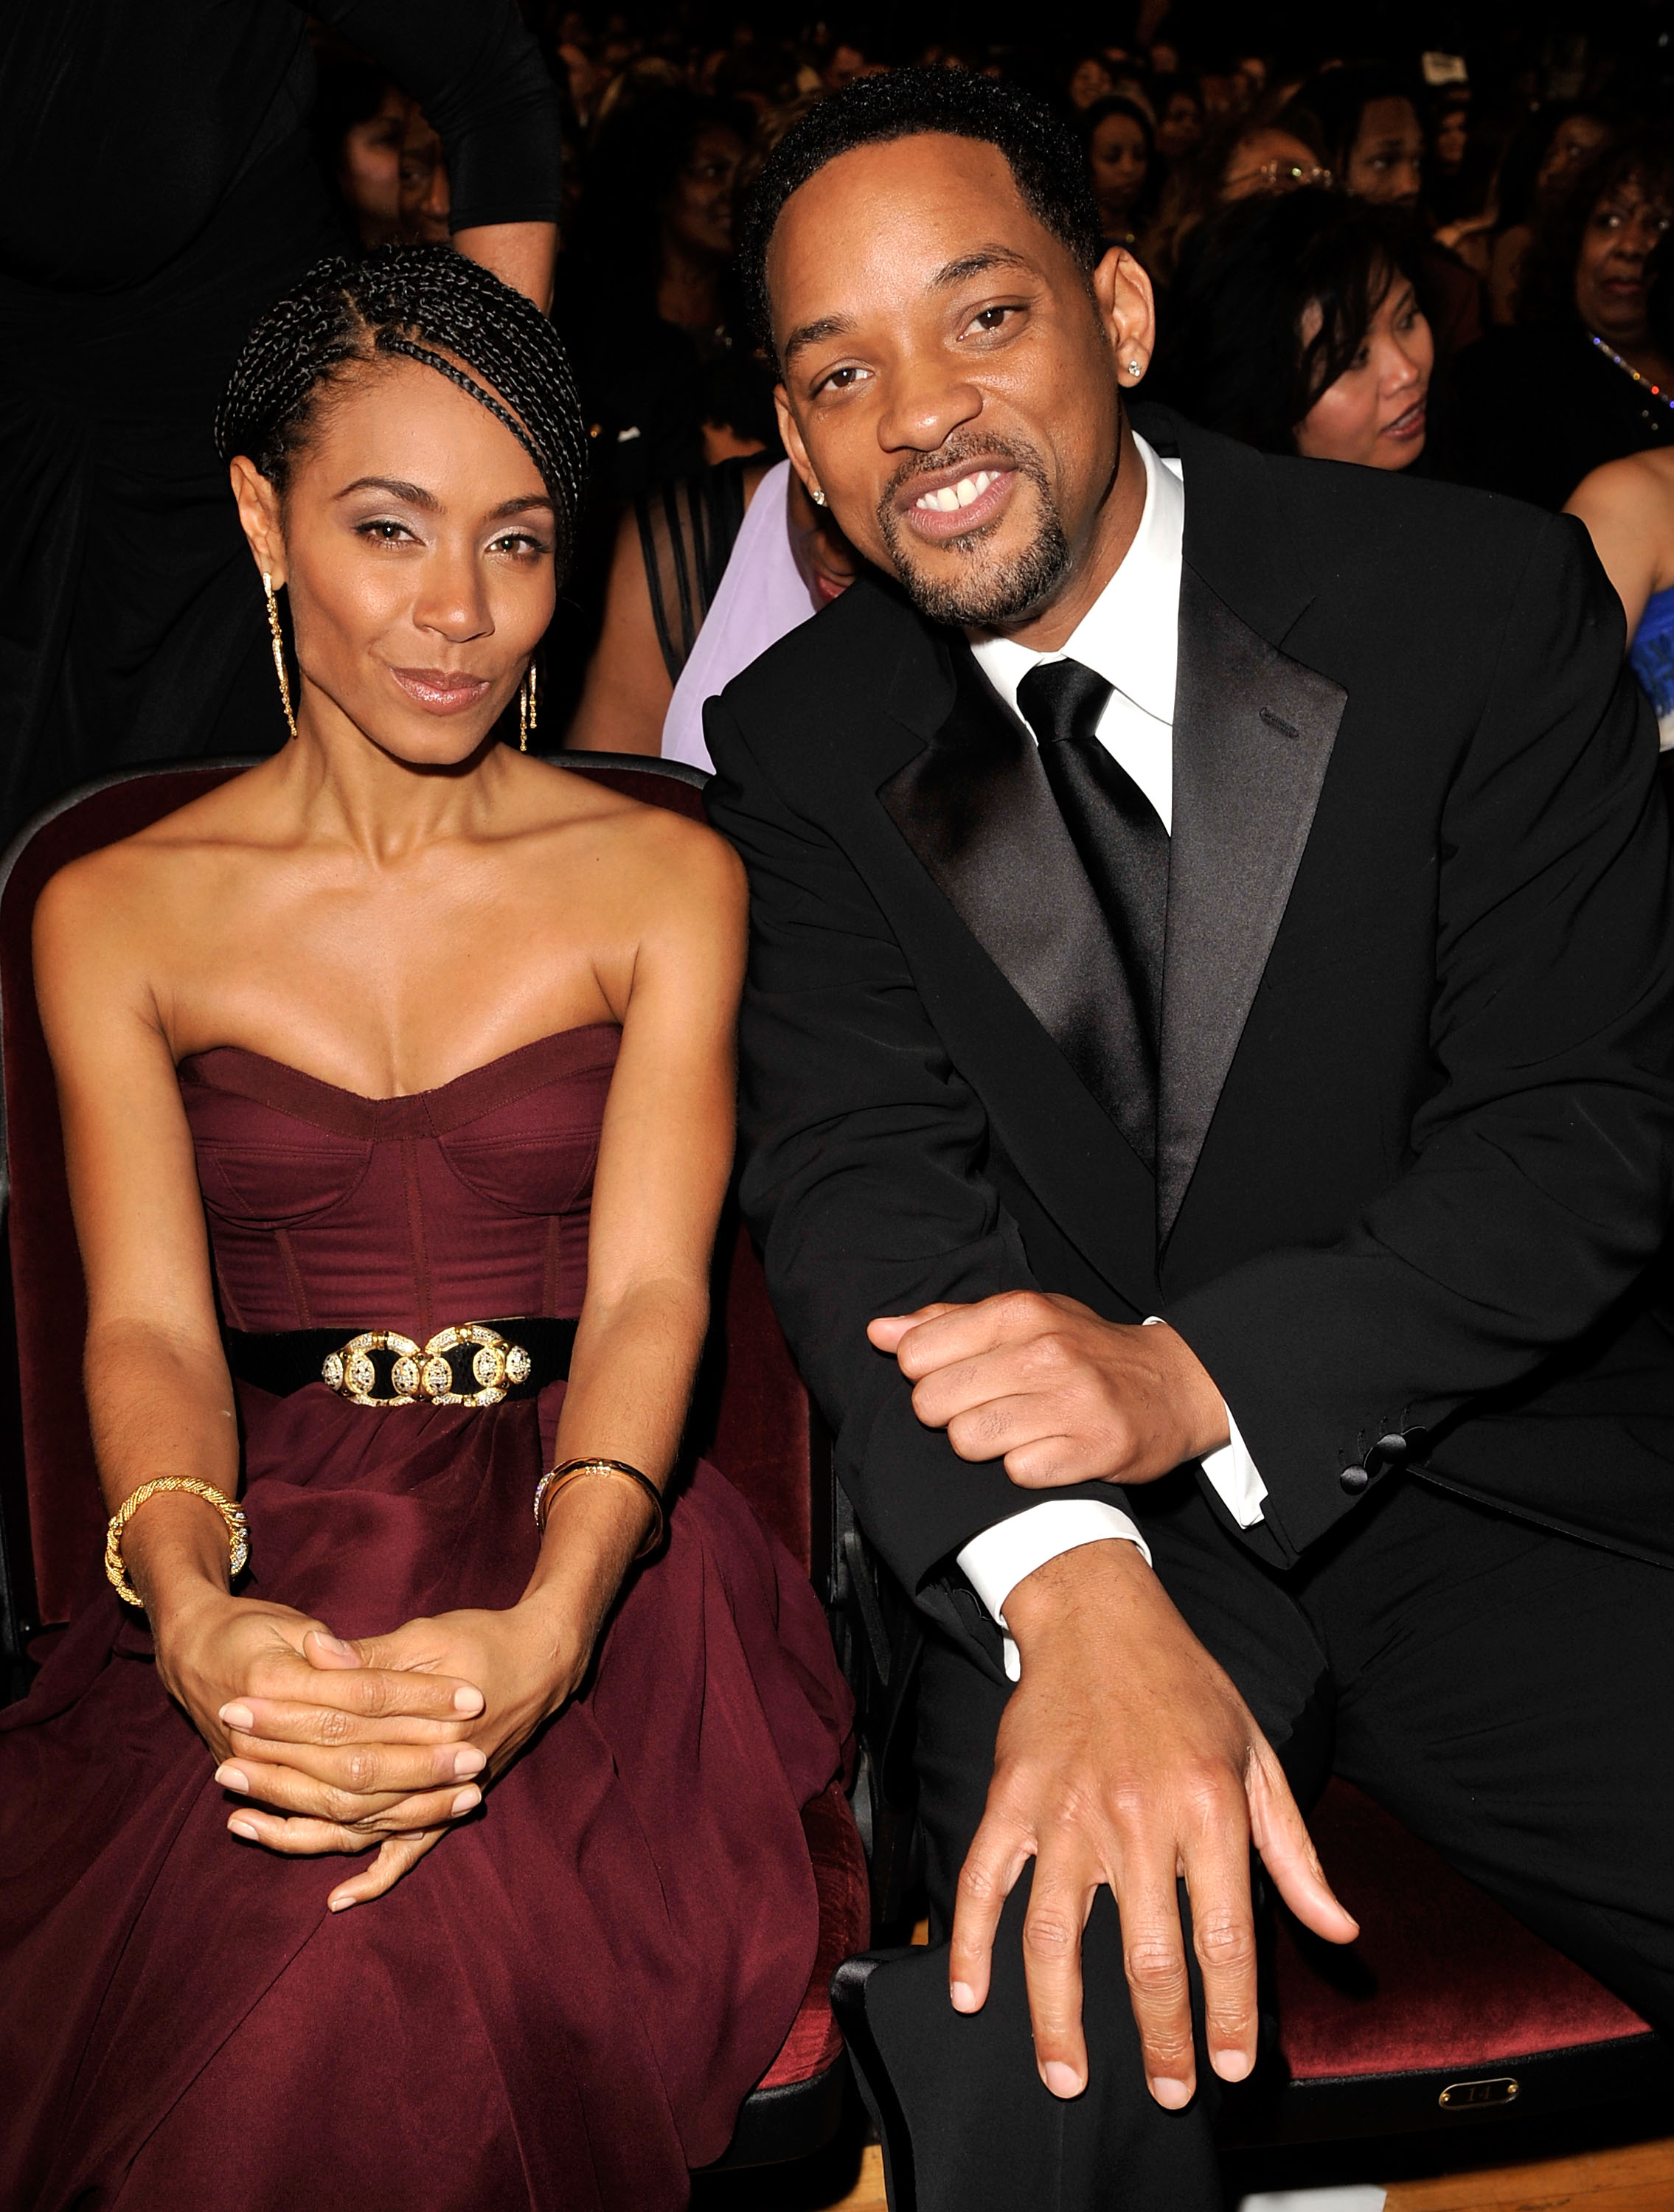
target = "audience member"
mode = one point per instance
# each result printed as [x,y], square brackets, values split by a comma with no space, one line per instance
[357,127]
[1295,324]
[1540,166]
[653,310]
[1179,107]
[1374,141]
[1121,156]
[1242,159]
[1586,373]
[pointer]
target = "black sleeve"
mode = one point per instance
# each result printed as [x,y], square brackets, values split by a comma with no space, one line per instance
[862,1150]
[1539,1184]
[478,76]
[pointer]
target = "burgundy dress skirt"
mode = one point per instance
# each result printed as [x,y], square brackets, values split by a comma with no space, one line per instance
[565,2003]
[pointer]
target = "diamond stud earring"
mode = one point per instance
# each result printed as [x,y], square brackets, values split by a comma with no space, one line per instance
[816,496]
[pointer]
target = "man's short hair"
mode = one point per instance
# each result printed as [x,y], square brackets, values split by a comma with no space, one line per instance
[1051,171]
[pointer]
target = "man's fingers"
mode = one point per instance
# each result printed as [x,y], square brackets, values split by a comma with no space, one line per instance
[365,1770]
[1059,1902]
[379,1811]
[1281,1837]
[888,1329]
[1223,1935]
[956,1333]
[282,1720]
[396,1857]
[1153,1957]
[999,1851]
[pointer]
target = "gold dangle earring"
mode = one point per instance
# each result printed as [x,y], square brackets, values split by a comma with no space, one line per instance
[278,651]
[527,707]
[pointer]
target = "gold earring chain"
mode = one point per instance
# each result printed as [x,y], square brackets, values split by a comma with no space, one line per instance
[279,651]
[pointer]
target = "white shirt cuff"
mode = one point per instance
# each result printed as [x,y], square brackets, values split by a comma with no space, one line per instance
[1233,1473]
[1001,1557]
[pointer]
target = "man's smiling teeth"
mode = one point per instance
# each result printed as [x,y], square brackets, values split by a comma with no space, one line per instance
[951,497]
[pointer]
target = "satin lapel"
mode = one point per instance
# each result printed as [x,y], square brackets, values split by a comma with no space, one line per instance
[1253,732]
[975,807]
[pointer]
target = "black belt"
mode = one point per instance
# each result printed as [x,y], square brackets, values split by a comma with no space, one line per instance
[476,1363]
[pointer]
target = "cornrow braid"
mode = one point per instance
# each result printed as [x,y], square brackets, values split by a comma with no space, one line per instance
[405,300]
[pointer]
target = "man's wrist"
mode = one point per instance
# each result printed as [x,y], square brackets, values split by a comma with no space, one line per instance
[1051,1597]
[1191,1389]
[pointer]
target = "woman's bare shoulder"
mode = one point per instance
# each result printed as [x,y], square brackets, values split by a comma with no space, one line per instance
[114,893]
[685,852]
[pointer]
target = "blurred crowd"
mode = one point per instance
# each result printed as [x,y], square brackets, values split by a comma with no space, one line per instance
[1451,263]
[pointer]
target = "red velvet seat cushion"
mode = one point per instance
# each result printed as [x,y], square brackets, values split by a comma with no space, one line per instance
[845,1919]
[1442,1976]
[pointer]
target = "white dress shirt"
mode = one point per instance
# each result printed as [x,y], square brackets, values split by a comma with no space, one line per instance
[1130,637]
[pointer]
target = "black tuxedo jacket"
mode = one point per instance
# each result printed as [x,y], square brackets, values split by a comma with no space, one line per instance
[1416,1116]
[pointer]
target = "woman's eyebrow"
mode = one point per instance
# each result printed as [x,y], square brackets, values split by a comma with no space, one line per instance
[520,506]
[414,494]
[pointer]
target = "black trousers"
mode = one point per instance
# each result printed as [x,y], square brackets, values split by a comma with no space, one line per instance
[1503,1691]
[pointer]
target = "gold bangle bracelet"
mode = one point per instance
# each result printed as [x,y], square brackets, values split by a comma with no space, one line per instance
[238,1539]
[580,1470]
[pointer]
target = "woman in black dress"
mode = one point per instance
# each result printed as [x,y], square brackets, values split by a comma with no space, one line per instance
[1585,376]
[158,187]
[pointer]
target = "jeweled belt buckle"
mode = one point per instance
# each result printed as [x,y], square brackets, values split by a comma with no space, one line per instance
[425,1374]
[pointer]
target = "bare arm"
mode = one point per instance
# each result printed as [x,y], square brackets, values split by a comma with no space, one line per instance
[1627,506]
[159,1394]
[628,687]
[522,254]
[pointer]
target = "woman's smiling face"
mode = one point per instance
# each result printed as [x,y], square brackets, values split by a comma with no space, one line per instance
[418,541]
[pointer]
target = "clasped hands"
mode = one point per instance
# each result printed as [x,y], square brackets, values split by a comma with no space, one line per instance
[1125,1757]
[387,1742]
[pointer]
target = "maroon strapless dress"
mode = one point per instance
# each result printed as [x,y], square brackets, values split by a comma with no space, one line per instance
[565,2003]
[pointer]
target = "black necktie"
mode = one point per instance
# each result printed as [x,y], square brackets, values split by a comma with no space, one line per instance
[1115,830]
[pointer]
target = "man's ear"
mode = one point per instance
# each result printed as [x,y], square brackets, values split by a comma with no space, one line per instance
[1128,312]
[259,513]
[791,438]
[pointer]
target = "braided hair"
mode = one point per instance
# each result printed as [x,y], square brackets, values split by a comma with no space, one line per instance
[405,301]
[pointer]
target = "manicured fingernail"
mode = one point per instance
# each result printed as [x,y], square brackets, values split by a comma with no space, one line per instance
[1063,2081]
[334,1643]
[1232,2065]
[467,1700]
[467,1797]
[467,1759]
[244,1829]
[238,1716]
[1173,2094]
[233,1778]
[964,1996]
[340,1904]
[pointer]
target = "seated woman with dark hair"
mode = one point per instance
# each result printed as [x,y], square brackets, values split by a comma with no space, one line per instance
[1295,324]
[398,1095]
[651,318]
[1585,376]
[1121,157]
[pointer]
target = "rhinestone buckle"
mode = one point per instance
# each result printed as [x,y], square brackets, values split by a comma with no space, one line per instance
[422,1374]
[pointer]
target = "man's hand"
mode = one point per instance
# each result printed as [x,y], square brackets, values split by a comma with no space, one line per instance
[1061,1397]
[1127,1758]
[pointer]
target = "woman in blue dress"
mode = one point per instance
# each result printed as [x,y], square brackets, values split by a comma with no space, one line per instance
[1629,507]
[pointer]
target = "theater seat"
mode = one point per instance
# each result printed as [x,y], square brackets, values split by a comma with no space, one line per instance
[1447,2010]
[751,1417]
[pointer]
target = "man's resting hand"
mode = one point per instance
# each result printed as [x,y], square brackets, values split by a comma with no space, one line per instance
[1127,1758]
[1061,1397]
